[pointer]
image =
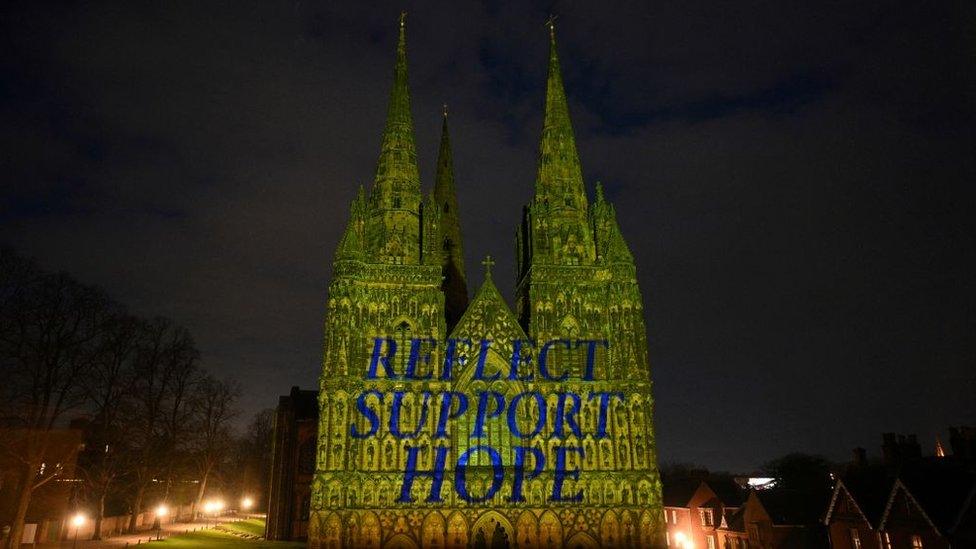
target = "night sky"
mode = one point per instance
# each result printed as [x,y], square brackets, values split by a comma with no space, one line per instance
[794,180]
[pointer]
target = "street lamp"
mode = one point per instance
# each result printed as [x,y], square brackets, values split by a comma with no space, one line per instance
[209,508]
[246,504]
[77,521]
[161,512]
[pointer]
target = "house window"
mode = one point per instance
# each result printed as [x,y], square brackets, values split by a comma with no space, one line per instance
[855,539]
[667,537]
[710,541]
[916,541]
[674,517]
[706,516]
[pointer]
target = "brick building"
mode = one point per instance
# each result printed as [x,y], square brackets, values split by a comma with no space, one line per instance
[694,510]
[292,465]
[907,501]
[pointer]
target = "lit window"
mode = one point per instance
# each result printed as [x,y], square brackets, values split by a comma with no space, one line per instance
[855,539]
[916,541]
[706,516]
[710,542]
[667,537]
[674,517]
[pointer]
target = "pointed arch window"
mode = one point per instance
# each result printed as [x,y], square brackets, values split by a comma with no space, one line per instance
[402,334]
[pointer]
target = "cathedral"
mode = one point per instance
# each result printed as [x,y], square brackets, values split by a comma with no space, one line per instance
[399,278]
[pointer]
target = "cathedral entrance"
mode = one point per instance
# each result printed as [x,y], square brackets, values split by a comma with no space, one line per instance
[492,531]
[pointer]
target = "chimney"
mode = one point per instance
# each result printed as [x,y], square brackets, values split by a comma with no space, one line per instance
[889,449]
[860,458]
[962,440]
[911,449]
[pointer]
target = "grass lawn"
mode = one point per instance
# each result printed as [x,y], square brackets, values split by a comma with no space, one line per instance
[205,539]
[254,527]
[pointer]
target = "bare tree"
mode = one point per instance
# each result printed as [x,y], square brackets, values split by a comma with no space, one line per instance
[166,366]
[212,440]
[49,331]
[251,464]
[109,389]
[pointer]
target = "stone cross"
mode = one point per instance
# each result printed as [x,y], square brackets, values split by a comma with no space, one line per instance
[488,262]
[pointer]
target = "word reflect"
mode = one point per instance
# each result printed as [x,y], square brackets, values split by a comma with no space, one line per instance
[421,349]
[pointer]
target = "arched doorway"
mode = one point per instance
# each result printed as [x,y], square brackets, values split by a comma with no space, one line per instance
[400,541]
[582,541]
[492,531]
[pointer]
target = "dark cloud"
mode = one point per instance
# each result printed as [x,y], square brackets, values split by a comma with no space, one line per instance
[794,179]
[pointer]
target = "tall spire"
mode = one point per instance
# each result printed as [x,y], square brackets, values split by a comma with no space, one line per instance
[397,170]
[560,179]
[455,285]
[393,232]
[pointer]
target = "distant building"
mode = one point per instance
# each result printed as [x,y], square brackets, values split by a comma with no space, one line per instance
[931,505]
[782,518]
[694,510]
[854,514]
[292,465]
[908,501]
[53,499]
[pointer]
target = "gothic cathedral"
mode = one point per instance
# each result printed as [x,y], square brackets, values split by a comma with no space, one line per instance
[399,275]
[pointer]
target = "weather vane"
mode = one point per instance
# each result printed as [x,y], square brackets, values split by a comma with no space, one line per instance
[551,23]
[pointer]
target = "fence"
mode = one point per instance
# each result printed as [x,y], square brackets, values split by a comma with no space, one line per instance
[61,529]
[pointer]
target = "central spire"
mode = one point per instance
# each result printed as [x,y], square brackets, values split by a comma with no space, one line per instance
[560,179]
[397,171]
[455,284]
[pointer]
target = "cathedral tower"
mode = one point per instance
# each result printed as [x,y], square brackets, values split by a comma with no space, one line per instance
[399,275]
[386,284]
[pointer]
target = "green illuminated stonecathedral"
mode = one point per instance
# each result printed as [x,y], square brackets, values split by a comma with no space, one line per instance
[399,273]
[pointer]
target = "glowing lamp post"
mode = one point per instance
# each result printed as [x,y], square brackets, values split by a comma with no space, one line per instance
[161,513]
[213,508]
[209,508]
[246,504]
[77,521]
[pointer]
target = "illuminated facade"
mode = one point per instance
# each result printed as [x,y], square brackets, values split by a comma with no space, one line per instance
[398,273]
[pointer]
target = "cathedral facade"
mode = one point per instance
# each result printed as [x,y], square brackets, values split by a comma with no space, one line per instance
[399,276]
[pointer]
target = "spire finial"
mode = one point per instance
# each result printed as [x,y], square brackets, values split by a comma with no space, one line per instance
[551,23]
[445,110]
[403,19]
[488,262]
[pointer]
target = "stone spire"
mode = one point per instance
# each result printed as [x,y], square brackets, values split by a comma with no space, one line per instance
[394,202]
[555,228]
[559,182]
[398,155]
[455,284]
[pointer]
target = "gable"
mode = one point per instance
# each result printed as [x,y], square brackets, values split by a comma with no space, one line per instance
[489,317]
[844,508]
[902,508]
